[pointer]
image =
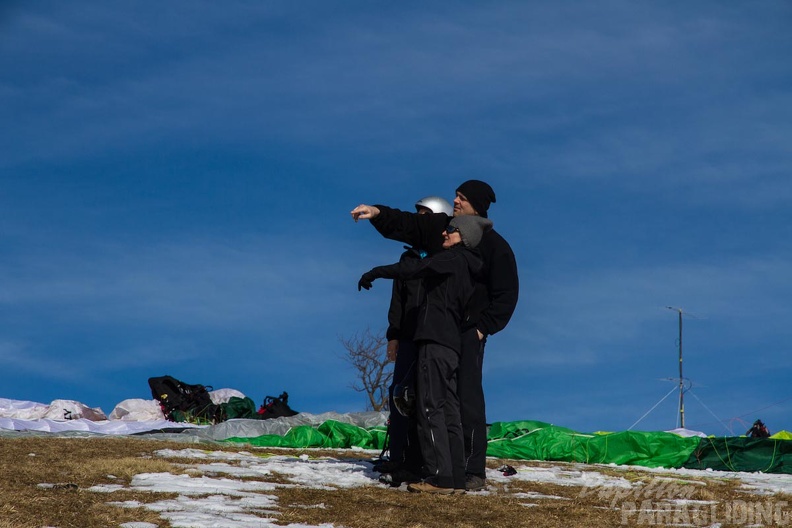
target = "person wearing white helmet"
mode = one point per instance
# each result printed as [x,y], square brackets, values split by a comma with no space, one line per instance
[405,460]
[449,284]
[434,204]
[489,311]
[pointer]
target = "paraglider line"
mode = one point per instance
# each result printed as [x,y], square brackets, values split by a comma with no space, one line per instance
[653,408]
[712,413]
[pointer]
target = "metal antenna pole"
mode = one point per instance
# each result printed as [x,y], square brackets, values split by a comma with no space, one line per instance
[681,378]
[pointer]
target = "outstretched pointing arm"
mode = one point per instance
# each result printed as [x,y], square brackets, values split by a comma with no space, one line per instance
[364,212]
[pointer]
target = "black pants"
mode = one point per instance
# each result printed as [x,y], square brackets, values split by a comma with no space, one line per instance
[439,422]
[471,401]
[403,443]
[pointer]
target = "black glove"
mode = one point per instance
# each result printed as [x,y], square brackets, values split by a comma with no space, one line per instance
[365,282]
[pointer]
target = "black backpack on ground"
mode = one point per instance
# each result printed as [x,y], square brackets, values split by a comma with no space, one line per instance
[182,402]
[276,407]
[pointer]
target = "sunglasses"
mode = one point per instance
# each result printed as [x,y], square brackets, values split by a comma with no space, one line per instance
[451,229]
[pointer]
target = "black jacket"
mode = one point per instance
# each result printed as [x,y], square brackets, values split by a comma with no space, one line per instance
[498,285]
[406,299]
[448,279]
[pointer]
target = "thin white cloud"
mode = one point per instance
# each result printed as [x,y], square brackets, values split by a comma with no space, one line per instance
[21,359]
[196,283]
[682,108]
[341,83]
[589,318]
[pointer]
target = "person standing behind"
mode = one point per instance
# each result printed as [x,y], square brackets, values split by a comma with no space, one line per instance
[449,280]
[405,453]
[758,430]
[489,311]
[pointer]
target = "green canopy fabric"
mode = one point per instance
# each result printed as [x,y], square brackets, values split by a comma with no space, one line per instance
[240,408]
[782,435]
[329,434]
[549,442]
[534,440]
[768,455]
[339,433]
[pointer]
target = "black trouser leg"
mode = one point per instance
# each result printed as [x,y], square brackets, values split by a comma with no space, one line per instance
[403,370]
[439,427]
[471,401]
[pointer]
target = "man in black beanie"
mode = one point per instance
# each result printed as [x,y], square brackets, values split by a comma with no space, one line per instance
[477,194]
[488,312]
[448,278]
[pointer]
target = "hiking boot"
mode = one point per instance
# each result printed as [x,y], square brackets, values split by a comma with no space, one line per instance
[475,483]
[425,487]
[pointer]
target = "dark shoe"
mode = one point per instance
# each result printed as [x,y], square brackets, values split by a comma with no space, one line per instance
[386,466]
[475,483]
[403,475]
[425,487]
[399,476]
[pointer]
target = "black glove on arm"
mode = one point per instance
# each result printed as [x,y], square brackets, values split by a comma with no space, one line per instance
[392,271]
[366,281]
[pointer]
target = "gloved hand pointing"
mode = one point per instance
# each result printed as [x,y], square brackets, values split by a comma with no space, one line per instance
[366,281]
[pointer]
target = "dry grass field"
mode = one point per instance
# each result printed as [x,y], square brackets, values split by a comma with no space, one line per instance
[44,482]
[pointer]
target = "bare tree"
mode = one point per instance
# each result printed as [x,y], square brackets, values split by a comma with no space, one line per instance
[367,354]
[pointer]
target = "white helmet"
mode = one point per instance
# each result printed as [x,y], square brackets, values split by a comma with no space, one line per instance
[436,205]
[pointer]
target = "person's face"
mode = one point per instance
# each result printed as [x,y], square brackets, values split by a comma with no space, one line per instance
[451,239]
[462,206]
[424,210]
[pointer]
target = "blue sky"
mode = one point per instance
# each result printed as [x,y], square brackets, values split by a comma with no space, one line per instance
[176,181]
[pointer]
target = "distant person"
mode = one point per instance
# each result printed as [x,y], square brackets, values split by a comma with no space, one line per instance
[405,460]
[489,311]
[758,430]
[449,282]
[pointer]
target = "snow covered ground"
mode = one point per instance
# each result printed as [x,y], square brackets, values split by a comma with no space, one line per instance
[225,489]
[219,490]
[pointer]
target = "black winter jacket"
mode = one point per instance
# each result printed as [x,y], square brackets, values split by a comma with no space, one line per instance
[498,285]
[448,279]
[406,299]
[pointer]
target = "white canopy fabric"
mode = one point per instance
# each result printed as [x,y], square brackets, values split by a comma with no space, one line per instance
[107,427]
[137,416]
[687,432]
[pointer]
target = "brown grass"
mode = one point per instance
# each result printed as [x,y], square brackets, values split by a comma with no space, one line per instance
[72,465]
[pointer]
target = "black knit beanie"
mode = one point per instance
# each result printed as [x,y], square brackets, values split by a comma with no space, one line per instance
[479,194]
